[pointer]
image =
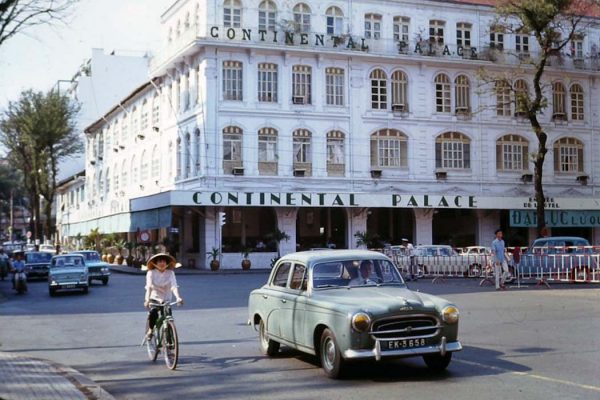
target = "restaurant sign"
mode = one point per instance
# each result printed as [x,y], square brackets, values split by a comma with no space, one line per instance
[556,218]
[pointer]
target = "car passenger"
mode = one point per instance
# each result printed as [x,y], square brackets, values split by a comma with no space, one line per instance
[366,267]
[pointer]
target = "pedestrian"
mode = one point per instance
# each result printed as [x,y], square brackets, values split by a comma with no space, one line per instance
[161,285]
[413,272]
[4,263]
[499,257]
[18,265]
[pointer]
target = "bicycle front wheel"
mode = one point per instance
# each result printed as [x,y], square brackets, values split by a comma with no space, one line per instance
[152,345]
[170,344]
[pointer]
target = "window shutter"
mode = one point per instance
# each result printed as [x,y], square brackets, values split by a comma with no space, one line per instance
[467,155]
[499,160]
[438,155]
[556,160]
[525,158]
[403,153]
[374,162]
[580,160]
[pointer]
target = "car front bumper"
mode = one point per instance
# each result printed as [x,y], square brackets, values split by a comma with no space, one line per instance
[442,348]
[69,285]
[99,275]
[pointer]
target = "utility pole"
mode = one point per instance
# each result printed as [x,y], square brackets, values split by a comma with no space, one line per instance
[10,227]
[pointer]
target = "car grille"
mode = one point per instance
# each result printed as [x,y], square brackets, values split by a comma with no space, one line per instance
[94,270]
[67,277]
[406,327]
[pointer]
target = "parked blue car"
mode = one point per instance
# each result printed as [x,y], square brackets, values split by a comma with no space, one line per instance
[98,269]
[565,257]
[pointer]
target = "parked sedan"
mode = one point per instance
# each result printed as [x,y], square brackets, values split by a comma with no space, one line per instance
[68,272]
[37,264]
[344,305]
[98,269]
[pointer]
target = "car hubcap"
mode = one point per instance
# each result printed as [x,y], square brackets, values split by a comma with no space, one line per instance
[329,353]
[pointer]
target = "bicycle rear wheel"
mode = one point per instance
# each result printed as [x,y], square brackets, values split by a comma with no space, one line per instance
[152,344]
[170,344]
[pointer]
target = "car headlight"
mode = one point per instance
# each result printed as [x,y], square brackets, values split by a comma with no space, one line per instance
[450,315]
[361,322]
[104,269]
[82,277]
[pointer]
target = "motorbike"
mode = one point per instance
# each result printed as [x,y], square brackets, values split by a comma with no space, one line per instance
[20,282]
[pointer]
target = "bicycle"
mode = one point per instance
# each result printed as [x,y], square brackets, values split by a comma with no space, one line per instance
[164,336]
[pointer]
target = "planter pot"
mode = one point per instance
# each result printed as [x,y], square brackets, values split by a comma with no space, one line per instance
[119,259]
[104,257]
[137,263]
[215,265]
[246,264]
[130,260]
[110,258]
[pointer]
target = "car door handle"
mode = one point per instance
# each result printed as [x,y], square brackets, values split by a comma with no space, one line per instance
[283,300]
[265,296]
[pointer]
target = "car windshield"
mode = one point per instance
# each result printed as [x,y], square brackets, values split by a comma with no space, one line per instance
[67,261]
[354,273]
[91,256]
[33,258]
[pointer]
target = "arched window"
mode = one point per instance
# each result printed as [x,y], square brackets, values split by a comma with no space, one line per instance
[502,89]
[399,91]
[267,151]
[267,82]
[170,35]
[155,168]
[232,14]
[302,147]
[335,21]
[116,178]
[443,102]
[378,90]
[302,84]
[156,111]
[512,153]
[401,29]
[124,128]
[179,159]
[188,158]
[233,88]
[135,127]
[302,17]
[568,155]
[336,160]
[462,90]
[186,23]
[436,31]
[389,149]
[134,171]
[559,99]
[107,186]
[521,98]
[452,151]
[232,149]
[267,15]
[170,160]
[144,167]
[577,110]
[178,29]
[373,26]
[124,170]
[100,184]
[144,119]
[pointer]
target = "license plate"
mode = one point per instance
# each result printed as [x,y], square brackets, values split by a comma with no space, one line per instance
[68,286]
[403,344]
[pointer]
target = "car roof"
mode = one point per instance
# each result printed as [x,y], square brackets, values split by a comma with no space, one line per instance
[309,257]
[561,238]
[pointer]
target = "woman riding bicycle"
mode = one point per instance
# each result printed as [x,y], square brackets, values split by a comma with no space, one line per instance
[160,286]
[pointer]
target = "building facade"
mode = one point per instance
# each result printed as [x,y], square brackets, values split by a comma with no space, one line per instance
[329,120]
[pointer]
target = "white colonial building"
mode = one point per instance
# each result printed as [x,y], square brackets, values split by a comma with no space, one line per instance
[328,119]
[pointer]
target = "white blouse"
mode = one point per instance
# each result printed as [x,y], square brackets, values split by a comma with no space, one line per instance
[161,284]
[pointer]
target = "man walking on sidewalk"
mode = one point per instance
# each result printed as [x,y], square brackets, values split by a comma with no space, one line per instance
[499,257]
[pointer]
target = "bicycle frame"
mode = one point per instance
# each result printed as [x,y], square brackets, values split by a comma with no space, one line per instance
[165,323]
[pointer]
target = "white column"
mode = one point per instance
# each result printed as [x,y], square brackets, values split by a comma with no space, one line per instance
[487,223]
[357,222]
[286,222]
[423,226]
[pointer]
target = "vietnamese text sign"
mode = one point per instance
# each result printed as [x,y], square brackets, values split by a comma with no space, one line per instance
[556,218]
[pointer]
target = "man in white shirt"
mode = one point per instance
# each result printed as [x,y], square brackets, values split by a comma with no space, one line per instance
[366,267]
[413,272]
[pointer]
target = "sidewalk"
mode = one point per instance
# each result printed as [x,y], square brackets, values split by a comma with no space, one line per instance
[125,269]
[29,378]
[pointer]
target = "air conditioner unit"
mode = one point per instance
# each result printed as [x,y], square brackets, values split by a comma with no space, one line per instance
[237,171]
[441,175]
[579,63]
[559,116]
[298,100]
[462,110]
[398,107]
[141,136]
[527,178]
[583,179]
[116,149]
[376,173]
[299,172]
[524,56]
[155,128]
[93,162]
[121,146]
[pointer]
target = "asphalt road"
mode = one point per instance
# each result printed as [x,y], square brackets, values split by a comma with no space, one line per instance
[520,344]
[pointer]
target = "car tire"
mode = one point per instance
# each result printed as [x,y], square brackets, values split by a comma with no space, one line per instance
[437,362]
[90,281]
[330,356]
[268,347]
[86,290]
[52,292]
[105,281]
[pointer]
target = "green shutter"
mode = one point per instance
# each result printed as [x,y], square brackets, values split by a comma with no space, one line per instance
[374,162]
[403,153]
[438,155]
[525,158]
[467,155]
[556,160]
[499,161]
[580,160]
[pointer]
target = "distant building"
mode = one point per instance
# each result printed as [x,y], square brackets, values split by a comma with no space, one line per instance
[328,119]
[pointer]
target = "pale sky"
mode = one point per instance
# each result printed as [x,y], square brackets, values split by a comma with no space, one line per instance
[40,57]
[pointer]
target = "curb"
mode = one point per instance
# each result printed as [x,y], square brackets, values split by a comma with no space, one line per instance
[84,385]
[186,271]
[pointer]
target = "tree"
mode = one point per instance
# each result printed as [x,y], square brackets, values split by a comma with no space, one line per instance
[39,131]
[554,24]
[11,190]
[19,15]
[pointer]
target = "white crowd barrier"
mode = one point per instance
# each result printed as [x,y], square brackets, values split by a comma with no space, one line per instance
[542,265]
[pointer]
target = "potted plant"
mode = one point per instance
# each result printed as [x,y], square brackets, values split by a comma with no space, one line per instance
[246,263]
[214,255]
[130,246]
[119,245]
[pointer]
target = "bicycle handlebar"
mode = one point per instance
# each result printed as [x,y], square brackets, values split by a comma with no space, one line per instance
[163,304]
